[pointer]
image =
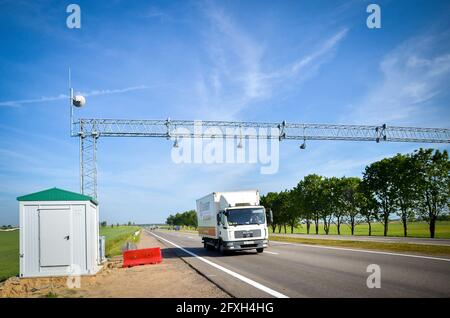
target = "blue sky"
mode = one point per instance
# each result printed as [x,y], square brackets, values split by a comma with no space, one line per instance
[236,60]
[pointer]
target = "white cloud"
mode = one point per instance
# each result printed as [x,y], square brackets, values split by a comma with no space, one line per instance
[154,12]
[413,76]
[235,78]
[239,77]
[18,103]
[114,91]
[323,50]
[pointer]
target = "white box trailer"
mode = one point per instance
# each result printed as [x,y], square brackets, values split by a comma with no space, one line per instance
[59,234]
[232,221]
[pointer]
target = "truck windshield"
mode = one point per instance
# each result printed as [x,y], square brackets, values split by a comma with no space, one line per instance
[245,216]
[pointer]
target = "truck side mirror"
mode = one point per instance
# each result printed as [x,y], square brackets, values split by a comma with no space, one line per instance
[270,216]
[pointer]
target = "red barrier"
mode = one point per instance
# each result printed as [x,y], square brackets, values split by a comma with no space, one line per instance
[142,257]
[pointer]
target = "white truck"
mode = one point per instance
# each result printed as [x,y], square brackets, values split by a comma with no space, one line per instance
[232,221]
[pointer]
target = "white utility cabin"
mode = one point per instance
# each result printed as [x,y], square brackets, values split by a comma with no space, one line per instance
[59,234]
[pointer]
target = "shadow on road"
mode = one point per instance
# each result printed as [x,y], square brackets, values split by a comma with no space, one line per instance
[171,252]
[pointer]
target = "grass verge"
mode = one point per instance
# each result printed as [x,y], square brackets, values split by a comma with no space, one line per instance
[9,254]
[117,236]
[415,229]
[434,250]
[193,231]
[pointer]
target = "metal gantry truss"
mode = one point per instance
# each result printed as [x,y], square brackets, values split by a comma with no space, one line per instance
[89,130]
[186,129]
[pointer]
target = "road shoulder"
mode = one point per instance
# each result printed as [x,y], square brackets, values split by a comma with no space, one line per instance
[409,248]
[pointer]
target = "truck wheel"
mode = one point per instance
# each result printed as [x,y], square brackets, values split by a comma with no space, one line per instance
[260,250]
[222,250]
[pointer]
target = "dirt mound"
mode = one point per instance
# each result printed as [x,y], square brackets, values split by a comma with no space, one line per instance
[32,287]
[51,286]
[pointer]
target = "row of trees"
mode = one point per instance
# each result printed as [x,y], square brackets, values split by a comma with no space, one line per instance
[412,186]
[104,223]
[187,218]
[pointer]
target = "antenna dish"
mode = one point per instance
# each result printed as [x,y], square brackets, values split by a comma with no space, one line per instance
[79,101]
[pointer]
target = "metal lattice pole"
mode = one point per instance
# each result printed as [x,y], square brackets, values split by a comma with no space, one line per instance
[88,163]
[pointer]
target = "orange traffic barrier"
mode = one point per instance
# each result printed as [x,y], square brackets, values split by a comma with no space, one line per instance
[142,257]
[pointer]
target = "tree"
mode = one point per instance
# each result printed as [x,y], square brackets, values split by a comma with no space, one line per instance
[312,184]
[367,205]
[378,179]
[267,201]
[405,185]
[293,210]
[103,224]
[327,202]
[349,200]
[433,182]
[339,208]
[298,197]
[187,218]
[191,218]
[169,220]
[280,210]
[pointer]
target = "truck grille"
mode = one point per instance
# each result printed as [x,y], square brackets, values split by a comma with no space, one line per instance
[245,234]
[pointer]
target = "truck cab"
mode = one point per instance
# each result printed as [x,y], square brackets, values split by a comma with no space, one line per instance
[243,228]
[232,221]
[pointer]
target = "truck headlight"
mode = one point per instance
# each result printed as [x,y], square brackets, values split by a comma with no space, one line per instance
[230,244]
[265,241]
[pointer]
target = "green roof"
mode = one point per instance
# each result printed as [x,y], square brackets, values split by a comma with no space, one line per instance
[56,194]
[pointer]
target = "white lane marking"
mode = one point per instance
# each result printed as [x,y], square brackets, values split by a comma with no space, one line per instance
[365,251]
[271,252]
[226,270]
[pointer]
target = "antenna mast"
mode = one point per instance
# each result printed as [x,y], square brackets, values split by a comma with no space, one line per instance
[70,102]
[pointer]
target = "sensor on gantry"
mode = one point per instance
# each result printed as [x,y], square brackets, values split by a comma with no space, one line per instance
[78,100]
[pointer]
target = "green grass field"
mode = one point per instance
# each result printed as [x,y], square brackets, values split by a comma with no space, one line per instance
[116,237]
[415,229]
[9,254]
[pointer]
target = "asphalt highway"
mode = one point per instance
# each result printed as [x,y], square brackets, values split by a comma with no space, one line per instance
[296,270]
